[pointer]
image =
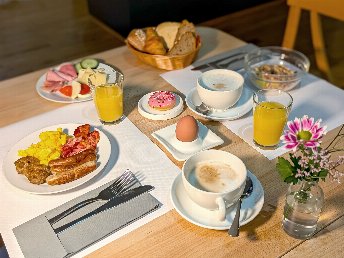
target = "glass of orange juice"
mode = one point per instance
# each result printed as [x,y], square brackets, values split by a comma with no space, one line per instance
[108,99]
[270,114]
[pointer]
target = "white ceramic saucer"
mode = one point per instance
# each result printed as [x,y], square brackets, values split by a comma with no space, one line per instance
[153,114]
[202,217]
[243,106]
[183,150]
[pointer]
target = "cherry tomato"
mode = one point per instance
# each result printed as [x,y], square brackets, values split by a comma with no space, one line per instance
[66,90]
[85,89]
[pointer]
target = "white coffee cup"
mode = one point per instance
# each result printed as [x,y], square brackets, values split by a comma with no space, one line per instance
[214,179]
[220,89]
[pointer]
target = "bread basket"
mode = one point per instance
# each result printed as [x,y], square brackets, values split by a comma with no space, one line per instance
[166,62]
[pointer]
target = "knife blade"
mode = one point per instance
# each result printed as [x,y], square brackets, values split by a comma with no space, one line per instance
[128,195]
[213,64]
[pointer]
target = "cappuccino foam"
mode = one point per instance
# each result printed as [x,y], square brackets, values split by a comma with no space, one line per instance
[214,176]
[220,82]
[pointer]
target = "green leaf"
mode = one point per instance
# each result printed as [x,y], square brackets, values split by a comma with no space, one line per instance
[323,173]
[284,168]
[289,180]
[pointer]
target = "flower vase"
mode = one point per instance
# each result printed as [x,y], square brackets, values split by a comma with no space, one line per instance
[303,204]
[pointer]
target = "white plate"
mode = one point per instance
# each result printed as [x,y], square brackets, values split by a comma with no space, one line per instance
[243,106]
[202,217]
[21,182]
[153,114]
[55,97]
[183,150]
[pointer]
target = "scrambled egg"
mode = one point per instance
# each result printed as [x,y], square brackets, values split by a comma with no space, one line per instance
[48,148]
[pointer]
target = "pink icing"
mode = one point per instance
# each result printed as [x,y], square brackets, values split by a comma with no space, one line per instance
[162,99]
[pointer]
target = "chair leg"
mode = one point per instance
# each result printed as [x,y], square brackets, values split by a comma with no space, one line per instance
[319,46]
[292,27]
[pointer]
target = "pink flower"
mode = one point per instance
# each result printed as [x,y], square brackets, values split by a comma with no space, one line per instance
[304,132]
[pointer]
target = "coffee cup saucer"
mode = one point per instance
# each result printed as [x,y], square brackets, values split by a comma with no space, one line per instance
[205,218]
[181,151]
[242,107]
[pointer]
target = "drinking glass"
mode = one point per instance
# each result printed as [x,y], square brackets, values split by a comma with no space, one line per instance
[270,114]
[108,99]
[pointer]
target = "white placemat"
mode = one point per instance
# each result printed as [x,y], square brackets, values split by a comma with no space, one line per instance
[135,151]
[315,97]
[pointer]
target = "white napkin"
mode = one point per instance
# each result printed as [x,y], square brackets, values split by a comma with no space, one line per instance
[315,97]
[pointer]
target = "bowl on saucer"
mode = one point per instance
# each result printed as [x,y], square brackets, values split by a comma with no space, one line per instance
[240,108]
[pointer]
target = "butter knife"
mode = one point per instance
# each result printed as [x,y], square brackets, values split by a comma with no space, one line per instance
[214,64]
[130,194]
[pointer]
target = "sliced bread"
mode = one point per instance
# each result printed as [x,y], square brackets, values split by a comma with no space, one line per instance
[168,31]
[185,45]
[184,27]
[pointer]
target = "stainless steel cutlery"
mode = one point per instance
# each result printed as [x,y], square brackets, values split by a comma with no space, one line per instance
[217,63]
[118,187]
[128,195]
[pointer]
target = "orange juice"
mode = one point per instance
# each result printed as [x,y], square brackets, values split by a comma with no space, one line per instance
[269,119]
[109,102]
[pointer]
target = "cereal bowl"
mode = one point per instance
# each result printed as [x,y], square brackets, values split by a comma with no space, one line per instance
[276,67]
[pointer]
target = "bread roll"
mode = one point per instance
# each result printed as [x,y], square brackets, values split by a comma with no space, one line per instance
[185,45]
[154,43]
[137,38]
[168,31]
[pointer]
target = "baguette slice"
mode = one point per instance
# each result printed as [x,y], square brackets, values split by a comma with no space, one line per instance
[168,31]
[186,44]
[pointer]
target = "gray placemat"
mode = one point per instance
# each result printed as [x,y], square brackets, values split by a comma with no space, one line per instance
[38,239]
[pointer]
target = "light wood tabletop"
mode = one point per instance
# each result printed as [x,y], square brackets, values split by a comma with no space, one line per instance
[170,235]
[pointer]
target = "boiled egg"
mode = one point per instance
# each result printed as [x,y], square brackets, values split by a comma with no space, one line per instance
[76,88]
[187,129]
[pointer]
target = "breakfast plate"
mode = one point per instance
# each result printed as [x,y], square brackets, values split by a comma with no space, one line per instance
[55,97]
[205,218]
[183,150]
[22,183]
[148,112]
[242,107]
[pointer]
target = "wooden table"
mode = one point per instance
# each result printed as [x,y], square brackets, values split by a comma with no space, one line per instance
[170,235]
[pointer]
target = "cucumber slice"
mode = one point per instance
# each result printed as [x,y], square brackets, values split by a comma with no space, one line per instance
[89,63]
[78,67]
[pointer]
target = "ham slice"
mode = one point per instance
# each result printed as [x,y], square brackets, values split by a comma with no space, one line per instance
[51,86]
[54,77]
[68,68]
[55,80]
[66,77]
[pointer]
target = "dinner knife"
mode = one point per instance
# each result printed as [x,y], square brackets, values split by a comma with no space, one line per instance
[213,64]
[128,195]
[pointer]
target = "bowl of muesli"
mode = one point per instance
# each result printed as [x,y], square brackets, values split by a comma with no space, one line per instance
[276,67]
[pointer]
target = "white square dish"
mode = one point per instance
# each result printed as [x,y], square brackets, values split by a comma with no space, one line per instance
[183,150]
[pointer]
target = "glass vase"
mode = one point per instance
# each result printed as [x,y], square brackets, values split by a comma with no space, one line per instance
[302,209]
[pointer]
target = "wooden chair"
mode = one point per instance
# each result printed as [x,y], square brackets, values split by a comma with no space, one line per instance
[331,8]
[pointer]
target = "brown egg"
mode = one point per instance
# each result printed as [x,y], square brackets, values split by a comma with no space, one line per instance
[187,129]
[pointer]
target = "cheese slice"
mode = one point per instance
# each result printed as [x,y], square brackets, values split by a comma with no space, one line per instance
[95,76]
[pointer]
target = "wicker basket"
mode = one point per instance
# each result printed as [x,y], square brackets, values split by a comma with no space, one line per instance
[165,62]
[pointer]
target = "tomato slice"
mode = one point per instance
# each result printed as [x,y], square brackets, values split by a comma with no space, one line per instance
[66,90]
[85,89]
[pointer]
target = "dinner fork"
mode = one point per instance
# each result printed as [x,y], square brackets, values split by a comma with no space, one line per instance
[118,187]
